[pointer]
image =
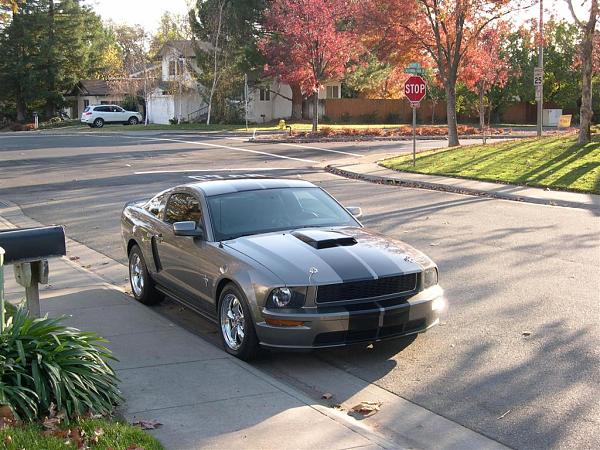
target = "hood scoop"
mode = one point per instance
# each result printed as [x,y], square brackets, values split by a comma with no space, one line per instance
[320,239]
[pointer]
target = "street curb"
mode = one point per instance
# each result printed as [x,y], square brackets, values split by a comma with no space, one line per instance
[374,138]
[455,190]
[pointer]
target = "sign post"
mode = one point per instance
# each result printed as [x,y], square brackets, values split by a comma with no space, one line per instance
[415,90]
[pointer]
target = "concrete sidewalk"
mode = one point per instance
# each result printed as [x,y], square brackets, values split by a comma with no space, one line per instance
[368,169]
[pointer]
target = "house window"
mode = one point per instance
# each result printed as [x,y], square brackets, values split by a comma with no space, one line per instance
[86,103]
[333,91]
[265,95]
[180,67]
[172,68]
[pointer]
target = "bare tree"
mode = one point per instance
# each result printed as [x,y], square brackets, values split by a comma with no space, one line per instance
[588,29]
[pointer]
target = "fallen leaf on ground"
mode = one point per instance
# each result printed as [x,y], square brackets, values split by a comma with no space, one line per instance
[87,266]
[148,424]
[326,396]
[526,333]
[135,447]
[366,409]
[73,258]
[434,244]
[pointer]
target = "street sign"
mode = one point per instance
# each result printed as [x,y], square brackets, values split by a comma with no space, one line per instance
[415,88]
[538,76]
[415,69]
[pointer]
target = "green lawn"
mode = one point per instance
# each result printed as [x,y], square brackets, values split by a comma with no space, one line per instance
[554,162]
[110,435]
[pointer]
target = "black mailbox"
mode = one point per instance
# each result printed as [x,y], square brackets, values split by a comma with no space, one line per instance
[32,244]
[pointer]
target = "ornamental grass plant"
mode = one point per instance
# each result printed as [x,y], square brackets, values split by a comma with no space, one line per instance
[45,364]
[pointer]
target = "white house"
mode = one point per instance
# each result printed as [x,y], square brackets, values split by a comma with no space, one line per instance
[174,92]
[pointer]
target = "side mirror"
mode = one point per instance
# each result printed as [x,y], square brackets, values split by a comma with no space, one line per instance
[188,228]
[355,211]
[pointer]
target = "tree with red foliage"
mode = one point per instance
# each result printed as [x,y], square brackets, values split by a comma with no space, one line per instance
[485,67]
[443,30]
[309,42]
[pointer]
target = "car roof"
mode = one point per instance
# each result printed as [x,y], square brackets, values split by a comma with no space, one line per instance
[218,187]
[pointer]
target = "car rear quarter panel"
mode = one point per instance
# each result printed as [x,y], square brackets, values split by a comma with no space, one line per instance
[137,226]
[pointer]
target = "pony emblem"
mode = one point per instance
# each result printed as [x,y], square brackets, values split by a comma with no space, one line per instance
[312,272]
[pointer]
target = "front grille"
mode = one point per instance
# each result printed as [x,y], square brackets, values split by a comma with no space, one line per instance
[365,289]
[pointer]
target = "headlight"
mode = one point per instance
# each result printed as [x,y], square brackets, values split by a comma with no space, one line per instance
[430,277]
[286,298]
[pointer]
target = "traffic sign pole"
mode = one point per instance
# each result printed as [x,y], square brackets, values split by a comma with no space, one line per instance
[540,88]
[414,108]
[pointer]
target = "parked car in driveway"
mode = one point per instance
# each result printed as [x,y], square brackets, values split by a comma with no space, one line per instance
[277,263]
[97,115]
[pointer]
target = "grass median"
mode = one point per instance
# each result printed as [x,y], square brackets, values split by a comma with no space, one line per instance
[556,162]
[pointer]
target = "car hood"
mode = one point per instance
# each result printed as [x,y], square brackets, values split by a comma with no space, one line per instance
[338,255]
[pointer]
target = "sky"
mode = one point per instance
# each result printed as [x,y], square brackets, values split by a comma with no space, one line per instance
[147,12]
[143,12]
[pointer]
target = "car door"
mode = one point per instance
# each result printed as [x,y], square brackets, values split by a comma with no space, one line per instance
[186,263]
[103,112]
[120,114]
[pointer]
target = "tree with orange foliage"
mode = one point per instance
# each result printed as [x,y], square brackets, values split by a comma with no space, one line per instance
[485,66]
[443,30]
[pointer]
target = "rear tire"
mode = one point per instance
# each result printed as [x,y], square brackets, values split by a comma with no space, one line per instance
[142,285]
[99,123]
[236,324]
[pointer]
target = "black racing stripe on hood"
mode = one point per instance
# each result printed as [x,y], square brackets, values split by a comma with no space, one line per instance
[377,260]
[345,265]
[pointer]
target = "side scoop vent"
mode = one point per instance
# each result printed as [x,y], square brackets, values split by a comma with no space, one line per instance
[324,239]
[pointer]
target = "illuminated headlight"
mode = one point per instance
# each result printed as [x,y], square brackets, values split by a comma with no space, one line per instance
[430,277]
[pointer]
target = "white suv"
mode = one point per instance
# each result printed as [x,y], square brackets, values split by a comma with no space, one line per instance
[97,115]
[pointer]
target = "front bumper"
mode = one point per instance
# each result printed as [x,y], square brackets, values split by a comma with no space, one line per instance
[333,326]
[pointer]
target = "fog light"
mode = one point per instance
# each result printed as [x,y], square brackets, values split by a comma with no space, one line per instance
[284,323]
[440,304]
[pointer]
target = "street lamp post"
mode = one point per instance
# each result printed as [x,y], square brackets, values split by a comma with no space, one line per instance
[539,88]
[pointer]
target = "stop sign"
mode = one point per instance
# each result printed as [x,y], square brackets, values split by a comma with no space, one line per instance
[415,88]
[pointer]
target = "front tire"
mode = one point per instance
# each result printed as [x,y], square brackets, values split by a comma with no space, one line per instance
[236,324]
[142,285]
[98,123]
[133,120]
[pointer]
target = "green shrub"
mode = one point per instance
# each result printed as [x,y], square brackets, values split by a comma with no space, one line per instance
[44,363]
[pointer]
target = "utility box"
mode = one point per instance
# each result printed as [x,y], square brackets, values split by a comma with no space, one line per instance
[551,117]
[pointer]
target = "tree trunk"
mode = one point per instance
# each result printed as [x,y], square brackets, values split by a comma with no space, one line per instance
[315,119]
[51,68]
[586,112]
[296,102]
[20,105]
[450,87]
[482,112]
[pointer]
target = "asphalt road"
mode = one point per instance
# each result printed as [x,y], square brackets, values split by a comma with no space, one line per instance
[517,357]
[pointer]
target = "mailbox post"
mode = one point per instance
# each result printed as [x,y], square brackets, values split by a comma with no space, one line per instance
[1,289]
[28,249]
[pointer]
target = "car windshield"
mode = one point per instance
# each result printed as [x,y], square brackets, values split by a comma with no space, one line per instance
[262,211]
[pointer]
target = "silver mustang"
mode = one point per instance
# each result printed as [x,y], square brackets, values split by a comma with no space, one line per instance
[277,263]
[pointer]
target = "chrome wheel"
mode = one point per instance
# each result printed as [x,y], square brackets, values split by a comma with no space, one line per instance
[232,321]
[136,273]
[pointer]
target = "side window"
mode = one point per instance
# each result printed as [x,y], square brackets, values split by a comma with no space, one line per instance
[156,205]
[172,68]
[102,109]
[183,207]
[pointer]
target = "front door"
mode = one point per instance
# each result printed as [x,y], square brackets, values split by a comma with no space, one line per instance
[184,260]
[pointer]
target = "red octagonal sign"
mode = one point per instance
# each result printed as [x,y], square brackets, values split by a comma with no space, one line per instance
[415,88]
